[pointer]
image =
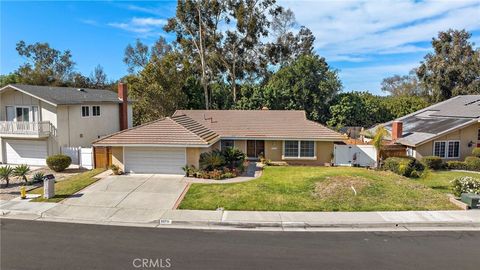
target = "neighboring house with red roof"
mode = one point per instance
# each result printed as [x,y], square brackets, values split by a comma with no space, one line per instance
[168,144]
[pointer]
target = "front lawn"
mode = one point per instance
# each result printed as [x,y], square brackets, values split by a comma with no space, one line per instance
[318,189]
[67,187]
[440,180]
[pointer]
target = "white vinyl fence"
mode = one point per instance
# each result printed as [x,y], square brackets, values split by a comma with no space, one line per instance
[355,155]
[82,157]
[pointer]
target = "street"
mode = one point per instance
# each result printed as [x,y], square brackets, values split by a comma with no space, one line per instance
[51,245]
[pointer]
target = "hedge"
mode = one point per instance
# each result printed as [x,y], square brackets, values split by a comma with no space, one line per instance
[58,162]
[433,162]
[409,167]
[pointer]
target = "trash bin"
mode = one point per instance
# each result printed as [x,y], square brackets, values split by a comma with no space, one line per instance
[49,186]
[472,200]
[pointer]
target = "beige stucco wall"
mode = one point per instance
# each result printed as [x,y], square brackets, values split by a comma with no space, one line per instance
[465,135]
[75,130]
[274,151]
[117,157]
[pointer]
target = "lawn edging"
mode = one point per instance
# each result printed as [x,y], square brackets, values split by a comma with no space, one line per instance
[66,188]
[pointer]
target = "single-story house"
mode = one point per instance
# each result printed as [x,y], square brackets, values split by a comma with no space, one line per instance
[449,129]
[168,144]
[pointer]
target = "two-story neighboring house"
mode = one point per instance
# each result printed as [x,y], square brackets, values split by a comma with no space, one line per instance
[36,121]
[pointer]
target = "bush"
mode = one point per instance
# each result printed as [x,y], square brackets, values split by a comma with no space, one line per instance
[476,152]
[37,177]
[432,162]
[473,163]
[408,167]
[465,184]
[22,171]
[115,169]
[233,157]
[59,162]
[210,161]
[456,165]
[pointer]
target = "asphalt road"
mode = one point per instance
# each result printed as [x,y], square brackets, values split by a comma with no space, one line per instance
[43,245]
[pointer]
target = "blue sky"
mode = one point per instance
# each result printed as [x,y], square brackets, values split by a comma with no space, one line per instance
[365,40]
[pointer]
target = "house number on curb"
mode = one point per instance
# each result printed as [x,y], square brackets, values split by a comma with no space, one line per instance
[165,221]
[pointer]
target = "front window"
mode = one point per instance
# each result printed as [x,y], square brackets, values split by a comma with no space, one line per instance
[446,149]
[85,111]
[224,144]
[291,149]
[96,110]
[299,149]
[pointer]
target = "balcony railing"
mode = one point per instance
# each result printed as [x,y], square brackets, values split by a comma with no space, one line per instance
[40,129]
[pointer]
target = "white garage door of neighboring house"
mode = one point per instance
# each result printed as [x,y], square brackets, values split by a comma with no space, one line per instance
[26,152]
[168,160]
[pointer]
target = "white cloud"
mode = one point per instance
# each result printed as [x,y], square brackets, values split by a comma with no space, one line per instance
[349,29]
[144,26]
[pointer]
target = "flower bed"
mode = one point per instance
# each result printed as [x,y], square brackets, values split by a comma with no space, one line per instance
[218,165]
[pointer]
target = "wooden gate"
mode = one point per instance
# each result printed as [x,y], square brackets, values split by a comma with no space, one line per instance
[102,156]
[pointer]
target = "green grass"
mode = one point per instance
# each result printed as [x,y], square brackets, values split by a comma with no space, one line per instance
[440,180]
[67,187]
[319,189]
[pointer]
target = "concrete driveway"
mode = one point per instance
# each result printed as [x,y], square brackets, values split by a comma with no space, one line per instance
[126,198]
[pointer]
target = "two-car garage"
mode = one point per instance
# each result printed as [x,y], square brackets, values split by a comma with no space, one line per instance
[167,160]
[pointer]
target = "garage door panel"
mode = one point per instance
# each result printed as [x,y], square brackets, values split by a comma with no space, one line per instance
[26,152]
[155,160]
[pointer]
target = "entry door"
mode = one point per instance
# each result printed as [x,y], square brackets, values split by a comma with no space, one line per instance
[255,148]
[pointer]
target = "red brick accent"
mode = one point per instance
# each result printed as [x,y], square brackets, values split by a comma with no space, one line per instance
[397,130]
[123,107]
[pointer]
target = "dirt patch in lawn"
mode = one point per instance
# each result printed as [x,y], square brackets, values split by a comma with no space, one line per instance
[333,186]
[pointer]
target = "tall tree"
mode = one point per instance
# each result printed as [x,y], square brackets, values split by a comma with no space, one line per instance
[406,85]
[307,84]
[453,68]
[137,56]
[196,27]
[45,65]
[98,78]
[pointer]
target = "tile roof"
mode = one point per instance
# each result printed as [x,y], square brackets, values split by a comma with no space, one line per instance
[67,95]
[202,128]
[165,131]
[261,124]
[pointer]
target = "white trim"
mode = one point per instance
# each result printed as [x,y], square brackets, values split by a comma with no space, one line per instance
[27,93]
[447,143]
[298,157]
[99,111]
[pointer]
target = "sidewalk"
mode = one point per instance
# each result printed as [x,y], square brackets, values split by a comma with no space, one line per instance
[248,219]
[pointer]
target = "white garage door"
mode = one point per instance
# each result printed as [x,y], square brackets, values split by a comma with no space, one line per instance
[166,160]
[26,152]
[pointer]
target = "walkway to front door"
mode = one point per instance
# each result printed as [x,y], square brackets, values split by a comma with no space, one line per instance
[255,148]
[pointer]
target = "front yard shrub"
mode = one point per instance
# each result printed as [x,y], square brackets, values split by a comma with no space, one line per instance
[456,165]
[473,163]
[233,157]
[38,177]
[115,169]
[432,162]
[465,184]
[476,152]
[210,161]
[58,162]
[21,171]
[408,167]
[5,173]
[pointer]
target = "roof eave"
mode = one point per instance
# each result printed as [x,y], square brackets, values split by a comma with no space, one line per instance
[28,93]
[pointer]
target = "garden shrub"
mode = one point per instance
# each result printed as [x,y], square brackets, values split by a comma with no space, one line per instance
[465,184]
[233,157]
[210,161]
[409,167]
[433,162]
[456,165]
[473,163]
[58,162]
[476,152]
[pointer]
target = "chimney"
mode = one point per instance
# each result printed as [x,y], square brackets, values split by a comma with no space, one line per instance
[397,130]
[123,106]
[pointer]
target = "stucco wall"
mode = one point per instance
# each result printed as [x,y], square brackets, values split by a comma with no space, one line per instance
[193,156]
[75,130]
[465,135]
[117,157]
[274,151]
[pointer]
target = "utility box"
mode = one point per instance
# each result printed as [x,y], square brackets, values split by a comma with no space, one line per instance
[48,186]
[472,200]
